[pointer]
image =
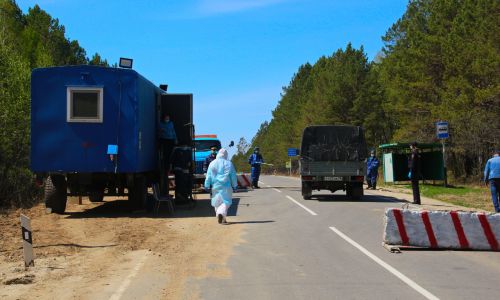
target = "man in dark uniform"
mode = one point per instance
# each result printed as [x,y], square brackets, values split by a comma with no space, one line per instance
[210,158]
[255,160]
[414,174]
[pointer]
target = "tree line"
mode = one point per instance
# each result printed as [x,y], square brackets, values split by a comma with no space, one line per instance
[27,41]
[440,61]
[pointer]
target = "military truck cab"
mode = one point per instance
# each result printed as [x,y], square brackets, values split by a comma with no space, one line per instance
[202,145]
[333,157]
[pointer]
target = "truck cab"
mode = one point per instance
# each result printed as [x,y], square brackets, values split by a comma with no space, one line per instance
[202,145]
[333,157]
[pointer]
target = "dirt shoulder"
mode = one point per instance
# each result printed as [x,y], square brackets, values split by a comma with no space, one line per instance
[89,252]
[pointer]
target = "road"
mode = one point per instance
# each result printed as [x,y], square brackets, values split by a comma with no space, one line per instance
[297,249]
[278,246]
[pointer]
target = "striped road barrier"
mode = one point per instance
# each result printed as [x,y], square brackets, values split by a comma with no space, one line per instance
[244,181]
[442,229]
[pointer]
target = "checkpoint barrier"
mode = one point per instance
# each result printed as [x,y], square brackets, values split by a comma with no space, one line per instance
[442,229]
[244,181]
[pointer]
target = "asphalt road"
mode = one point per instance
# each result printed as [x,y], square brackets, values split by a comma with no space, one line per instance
[330,247]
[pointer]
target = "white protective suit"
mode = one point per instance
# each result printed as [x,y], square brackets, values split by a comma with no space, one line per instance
[221,178]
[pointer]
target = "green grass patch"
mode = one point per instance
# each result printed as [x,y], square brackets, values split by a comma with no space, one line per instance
[467,196]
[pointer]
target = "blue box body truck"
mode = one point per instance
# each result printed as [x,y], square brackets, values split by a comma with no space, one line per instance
[94,132]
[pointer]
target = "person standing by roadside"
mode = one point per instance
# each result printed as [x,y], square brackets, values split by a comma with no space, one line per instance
[255,160]
[221,179]
[492,177]
[372,171]
[414,174]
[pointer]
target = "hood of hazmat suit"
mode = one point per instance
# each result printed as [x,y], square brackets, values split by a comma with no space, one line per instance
[221,178]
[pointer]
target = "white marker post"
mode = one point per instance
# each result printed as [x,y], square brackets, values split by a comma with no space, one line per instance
[29,260]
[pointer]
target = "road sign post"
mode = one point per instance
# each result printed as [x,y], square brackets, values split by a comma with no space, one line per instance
[442,134]
[29,260]
[291,153]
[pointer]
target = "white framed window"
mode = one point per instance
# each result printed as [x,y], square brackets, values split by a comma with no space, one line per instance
[84,104]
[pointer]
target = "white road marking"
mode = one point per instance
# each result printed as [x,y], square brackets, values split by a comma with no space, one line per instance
[277,190]
[118,294]
[388,267]
[307,209]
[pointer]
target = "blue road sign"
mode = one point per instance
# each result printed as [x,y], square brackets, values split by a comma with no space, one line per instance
[293,151]
[442,130]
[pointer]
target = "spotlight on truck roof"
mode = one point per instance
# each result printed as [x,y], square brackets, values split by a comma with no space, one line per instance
[126,63]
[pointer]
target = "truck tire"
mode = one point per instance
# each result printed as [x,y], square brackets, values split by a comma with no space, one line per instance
[96,194]
[55,193]
[354,191]
[138,192]
[306,191]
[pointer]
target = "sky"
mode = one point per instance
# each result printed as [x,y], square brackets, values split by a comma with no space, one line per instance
[234,56]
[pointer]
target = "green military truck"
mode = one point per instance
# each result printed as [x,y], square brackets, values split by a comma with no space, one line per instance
[333,157]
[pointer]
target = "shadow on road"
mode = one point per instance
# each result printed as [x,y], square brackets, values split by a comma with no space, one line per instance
[121,209]
[251,222]
[344,198]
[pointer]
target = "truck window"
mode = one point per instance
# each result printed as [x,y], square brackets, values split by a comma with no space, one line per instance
[84,104]
[204,145]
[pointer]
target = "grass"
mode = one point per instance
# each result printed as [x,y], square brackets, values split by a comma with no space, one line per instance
[467,196]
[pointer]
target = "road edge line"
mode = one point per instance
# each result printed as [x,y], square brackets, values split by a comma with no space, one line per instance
[307,209]
[386,266]
[118,294]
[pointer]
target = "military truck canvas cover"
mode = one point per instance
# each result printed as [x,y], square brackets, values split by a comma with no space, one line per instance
[333,143]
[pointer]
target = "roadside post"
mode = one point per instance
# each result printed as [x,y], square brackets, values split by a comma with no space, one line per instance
[29,260]
[291,153]
[442,134]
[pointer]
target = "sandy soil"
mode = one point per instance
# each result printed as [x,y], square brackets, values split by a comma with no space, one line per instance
[91,251]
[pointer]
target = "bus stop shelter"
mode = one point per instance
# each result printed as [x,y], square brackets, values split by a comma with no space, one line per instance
[395,161]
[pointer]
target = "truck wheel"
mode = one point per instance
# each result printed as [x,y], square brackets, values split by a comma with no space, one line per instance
[306,191]
[137,193]
[354,191]
[96,194]
[55,193]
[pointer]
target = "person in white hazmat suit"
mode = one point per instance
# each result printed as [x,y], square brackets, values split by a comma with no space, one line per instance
[221,179]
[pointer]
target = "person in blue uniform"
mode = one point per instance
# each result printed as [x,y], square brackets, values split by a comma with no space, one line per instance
[255,160]
[372,170]
[492,177]
[210,158]
[168,139]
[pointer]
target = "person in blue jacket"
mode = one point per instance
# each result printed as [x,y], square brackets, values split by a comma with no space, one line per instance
[372,170]
[221,180]
[255,160]
[168,139]
[492,177]
[210,158]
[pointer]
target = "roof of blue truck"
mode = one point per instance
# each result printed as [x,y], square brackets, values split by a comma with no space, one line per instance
[88,68]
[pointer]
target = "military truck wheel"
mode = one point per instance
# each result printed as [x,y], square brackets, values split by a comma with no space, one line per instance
[96,194]
[306,191]
[354,191]
[55,193]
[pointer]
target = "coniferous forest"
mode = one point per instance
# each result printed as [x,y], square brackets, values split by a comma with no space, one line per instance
[440,61]
[27,41]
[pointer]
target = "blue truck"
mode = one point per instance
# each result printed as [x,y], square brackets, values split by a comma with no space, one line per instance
[94,132]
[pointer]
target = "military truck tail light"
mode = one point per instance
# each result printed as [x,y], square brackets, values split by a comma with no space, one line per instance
[358,178]
[307,177]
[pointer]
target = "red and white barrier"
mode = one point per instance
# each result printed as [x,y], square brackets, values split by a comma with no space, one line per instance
[442,229]
[244,181]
